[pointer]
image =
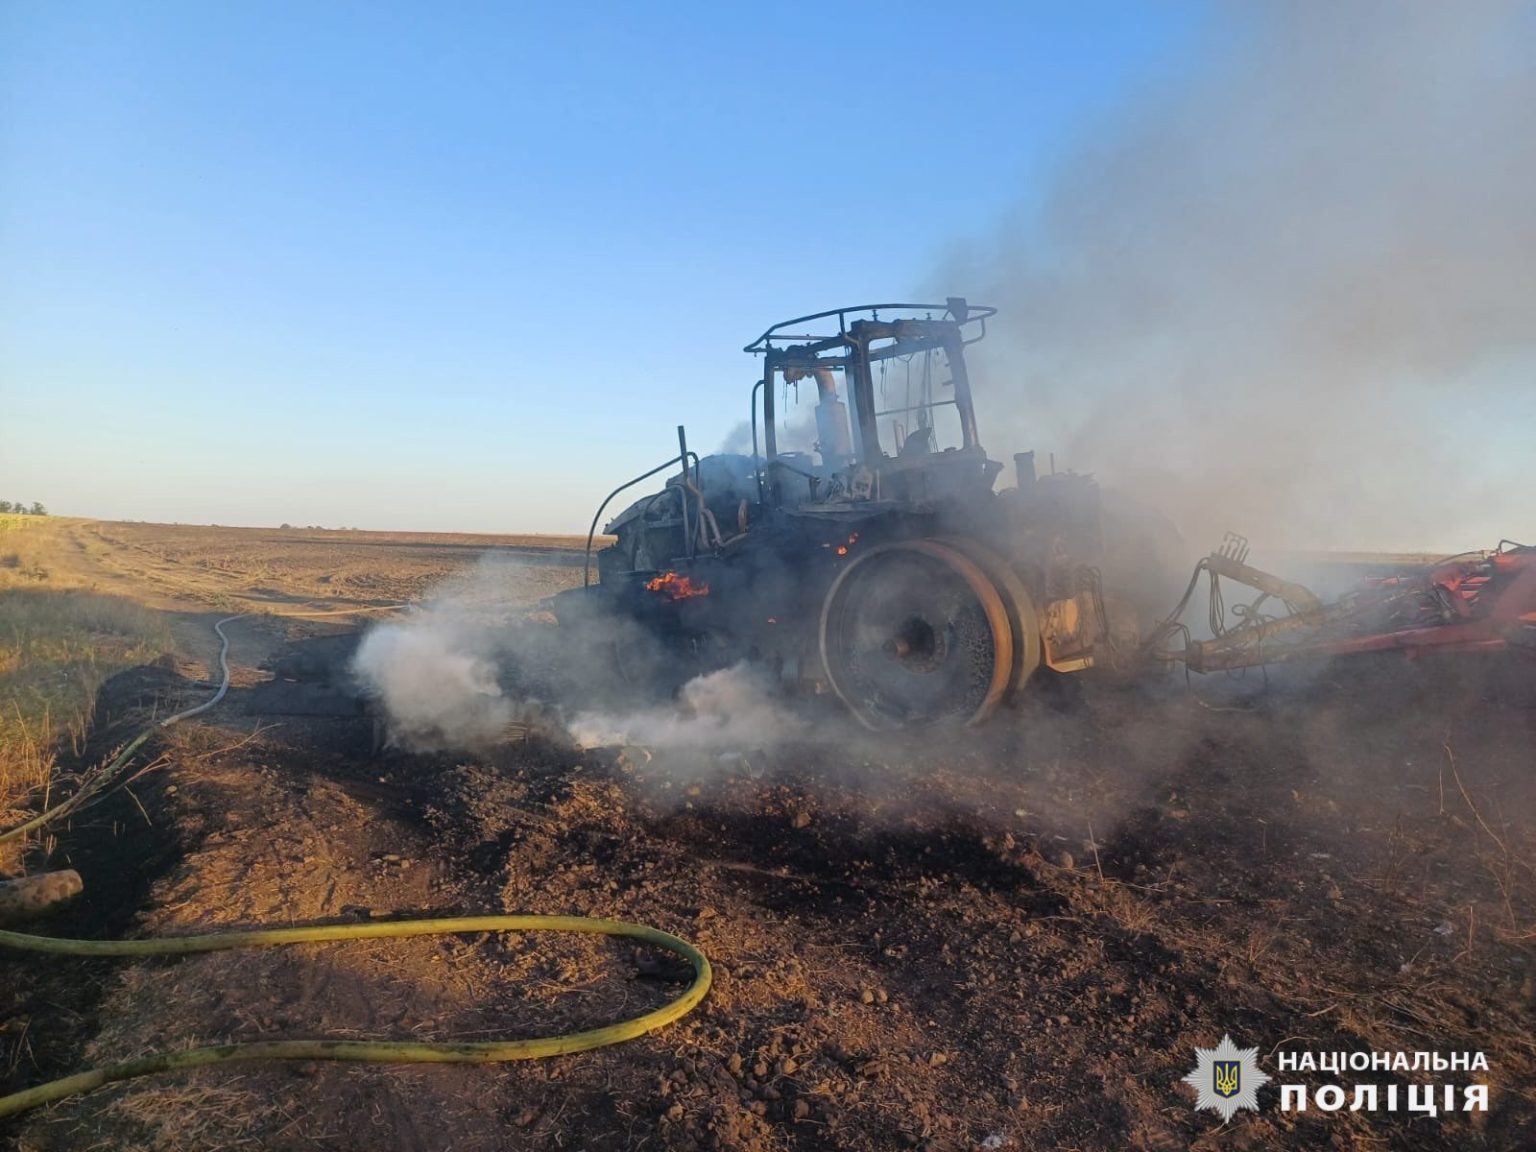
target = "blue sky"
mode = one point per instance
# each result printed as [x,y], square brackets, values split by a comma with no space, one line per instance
[466,266]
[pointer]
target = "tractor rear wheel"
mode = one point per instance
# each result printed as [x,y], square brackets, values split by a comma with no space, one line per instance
[1022,617]
[916,633]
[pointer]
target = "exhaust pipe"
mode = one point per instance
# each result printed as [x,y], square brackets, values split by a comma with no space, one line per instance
[833,434]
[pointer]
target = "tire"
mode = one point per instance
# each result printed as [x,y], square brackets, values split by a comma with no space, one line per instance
[915,634]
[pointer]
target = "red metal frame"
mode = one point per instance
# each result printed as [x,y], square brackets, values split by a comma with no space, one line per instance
[1481,602]
[1493,598]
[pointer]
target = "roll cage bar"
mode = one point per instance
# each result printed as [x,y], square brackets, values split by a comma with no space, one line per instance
[806,344]
[955,309]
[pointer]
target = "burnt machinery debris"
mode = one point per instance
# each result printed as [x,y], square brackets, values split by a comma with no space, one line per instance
[875,558]
[1479,601]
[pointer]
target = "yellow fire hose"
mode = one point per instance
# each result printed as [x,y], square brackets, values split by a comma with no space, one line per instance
[373,1051]
[377,1051]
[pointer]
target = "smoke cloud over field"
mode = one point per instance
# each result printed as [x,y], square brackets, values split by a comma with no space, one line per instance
[436,688]
[470,664]
[435,672]
[1293,292]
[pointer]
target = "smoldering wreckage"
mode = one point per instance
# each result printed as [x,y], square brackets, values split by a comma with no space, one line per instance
[882,566]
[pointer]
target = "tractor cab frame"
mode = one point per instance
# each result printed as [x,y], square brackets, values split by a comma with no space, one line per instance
[885,376]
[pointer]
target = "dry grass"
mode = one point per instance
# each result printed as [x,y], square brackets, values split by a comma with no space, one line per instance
[58,645]
[278,569]
[63,631]
[177,566]
[25,542]
[177,1116]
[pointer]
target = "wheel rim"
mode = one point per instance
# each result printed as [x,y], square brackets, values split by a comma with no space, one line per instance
[1022,618]
[916,634]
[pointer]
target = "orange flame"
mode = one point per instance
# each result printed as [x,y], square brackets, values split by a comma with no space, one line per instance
[853,538]
[675,587]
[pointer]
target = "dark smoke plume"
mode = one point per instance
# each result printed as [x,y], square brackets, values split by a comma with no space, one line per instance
[1294,292]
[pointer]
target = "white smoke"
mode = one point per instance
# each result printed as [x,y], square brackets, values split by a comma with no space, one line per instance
[437,672]
[436,677]
[1293,292]
[733,709]
[457,674]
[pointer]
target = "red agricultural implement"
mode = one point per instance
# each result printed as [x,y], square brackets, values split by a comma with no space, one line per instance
[1478,601]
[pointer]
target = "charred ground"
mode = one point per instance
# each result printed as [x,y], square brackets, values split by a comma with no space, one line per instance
[1022,936]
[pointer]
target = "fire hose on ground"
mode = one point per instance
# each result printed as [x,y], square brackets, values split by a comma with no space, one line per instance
[366,1051]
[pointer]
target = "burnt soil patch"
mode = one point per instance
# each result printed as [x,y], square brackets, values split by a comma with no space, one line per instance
[1011,942]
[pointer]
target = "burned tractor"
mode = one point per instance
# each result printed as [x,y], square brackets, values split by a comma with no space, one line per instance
[869,554]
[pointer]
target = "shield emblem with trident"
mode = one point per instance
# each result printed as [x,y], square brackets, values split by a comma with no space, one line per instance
[1226,1077]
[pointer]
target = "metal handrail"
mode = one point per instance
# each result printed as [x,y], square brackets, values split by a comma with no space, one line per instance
[757,460]
[762,343]
[586,563]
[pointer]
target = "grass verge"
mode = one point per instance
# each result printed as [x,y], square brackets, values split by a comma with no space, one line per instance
[58,645]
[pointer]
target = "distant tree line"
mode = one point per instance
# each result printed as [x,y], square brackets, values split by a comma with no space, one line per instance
[21,507]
